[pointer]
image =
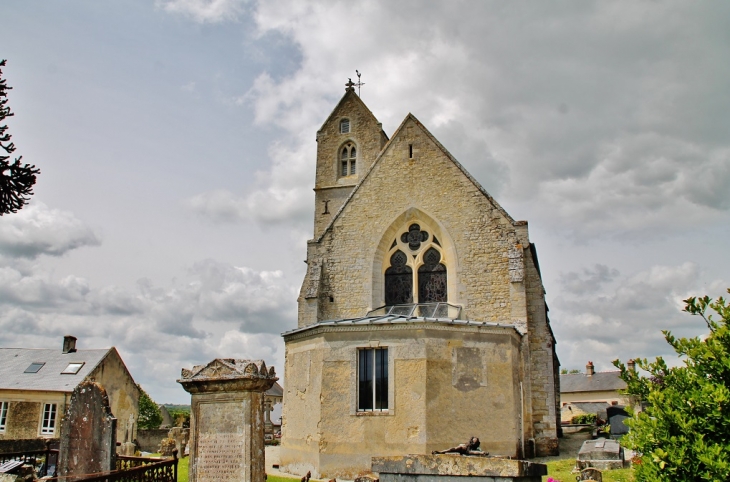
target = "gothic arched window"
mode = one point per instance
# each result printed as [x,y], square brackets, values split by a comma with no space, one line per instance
[419,276]
[348,157]
[431,278]
[398,280]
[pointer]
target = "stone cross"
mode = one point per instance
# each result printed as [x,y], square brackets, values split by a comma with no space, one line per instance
[227,419]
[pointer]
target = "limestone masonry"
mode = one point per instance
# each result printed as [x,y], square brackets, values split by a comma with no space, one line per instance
[422,318]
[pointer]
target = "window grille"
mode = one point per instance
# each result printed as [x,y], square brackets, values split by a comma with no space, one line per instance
[48,427]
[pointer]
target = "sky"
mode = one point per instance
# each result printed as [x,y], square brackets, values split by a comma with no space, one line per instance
[176,142]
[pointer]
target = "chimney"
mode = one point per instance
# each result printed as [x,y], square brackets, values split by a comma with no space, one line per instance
[589,369]
[69,344]
[632,365]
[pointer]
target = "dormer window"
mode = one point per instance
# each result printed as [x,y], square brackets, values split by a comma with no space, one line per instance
[344,126]
[348,158]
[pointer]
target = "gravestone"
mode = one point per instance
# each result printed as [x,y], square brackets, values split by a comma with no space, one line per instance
[128,447]
[227,419]
[616,416]
[455,467]
[88,433]
[604,454]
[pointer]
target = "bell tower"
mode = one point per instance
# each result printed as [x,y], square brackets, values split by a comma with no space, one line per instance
[347,144]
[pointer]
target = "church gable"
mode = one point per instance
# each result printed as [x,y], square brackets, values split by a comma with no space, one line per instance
[415,188]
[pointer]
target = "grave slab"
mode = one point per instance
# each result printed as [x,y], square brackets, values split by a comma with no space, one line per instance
[454,468]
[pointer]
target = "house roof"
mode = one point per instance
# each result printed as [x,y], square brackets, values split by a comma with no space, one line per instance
[15,361]
[599,381]
[275,391]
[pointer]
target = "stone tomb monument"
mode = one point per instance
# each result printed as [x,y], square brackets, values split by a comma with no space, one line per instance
[88,433]
[455,467]
[227,419]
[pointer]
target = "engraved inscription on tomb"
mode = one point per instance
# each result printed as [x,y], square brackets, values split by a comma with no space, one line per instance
[220,457]
[221,446]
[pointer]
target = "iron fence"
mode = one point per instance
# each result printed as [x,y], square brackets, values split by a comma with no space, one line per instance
[44,461]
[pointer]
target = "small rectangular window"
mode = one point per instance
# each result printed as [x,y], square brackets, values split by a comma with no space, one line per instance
[48,426]
[3,415]
[352,167]
[345,126]
[372,379]
[344,168]
[34,367]
[72,368]
[410,151]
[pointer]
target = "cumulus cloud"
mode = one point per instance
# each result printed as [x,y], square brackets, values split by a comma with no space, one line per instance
[205,11]
[594,118]
[219,310]
[37,229]
[609,316]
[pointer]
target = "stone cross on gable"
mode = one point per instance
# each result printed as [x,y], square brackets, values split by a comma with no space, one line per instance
[350,85]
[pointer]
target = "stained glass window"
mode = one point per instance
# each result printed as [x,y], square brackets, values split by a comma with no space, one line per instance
[431,278]
[398,280]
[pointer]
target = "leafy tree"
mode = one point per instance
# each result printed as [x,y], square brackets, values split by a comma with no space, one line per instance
[684,432]
[16,179]
[149,412]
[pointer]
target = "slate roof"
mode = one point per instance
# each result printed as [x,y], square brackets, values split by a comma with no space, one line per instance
[600,381]
[275,391]
[14,362]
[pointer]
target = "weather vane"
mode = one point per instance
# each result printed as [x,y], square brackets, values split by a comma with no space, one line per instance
[359,84]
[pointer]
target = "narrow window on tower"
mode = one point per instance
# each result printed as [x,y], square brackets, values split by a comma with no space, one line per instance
[410,151]
[344,158]
[353,156]
[344,126]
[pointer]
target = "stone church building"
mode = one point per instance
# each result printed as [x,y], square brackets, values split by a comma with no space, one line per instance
[422,316]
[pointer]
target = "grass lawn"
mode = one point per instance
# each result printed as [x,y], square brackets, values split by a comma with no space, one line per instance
[560,470]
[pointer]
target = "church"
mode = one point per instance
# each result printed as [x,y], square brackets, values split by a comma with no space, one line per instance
[422,315]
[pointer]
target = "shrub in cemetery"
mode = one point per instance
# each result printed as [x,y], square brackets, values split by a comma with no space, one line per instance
[683,433]
[585,418]
[149,412]
[16,179]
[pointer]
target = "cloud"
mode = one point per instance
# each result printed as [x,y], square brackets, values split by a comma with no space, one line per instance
[610,316]
[204,11]
[37,229]
[218,310]
[595,119]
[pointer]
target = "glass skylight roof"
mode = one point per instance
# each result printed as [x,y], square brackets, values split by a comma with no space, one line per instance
[72,368]
[34,367]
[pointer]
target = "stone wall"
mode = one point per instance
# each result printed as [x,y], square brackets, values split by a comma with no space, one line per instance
[123,394]
[26,445]
[447,384]
[149,438]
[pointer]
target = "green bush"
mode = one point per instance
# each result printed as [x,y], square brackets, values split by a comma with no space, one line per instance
[684,432]
[584,419]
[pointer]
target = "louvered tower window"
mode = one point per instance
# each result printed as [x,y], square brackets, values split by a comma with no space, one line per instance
[348,156]
[344,126]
